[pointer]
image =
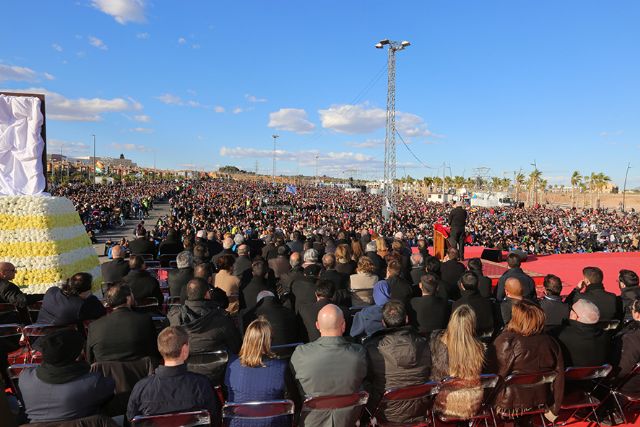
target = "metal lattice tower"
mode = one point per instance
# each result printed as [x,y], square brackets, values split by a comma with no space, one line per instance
[388,203]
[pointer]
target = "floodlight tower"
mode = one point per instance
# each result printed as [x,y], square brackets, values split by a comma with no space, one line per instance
[388,202]
[273,173]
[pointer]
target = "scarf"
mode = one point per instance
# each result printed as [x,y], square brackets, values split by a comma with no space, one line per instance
[56,374]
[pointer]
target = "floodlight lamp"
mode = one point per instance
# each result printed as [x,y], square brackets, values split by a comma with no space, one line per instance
[384,42]
[378,45]
[405,44]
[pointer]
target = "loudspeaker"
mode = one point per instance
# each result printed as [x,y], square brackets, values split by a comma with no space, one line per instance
[494,255]
[521,254]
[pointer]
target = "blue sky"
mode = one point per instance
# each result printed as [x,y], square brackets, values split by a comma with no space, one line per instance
[494,84]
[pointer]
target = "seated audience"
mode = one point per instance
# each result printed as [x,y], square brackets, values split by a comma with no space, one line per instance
[361,283]
[629,292]
[10,293]
[255,374]
[583,342]
[303,289]
[401,290]
[417,268]
[243,262]
[485,287]
[70,303]
[225,280]
[309,312]
[141,244]
[178,278]
[280,264]
[172,388]
[344,260]
[208,325]
[201,254]
[397,357]
[450,272]
[329,366]
[115,270]
[528,286]
[556,312]
[513,290]
[123,334]
[429,312]
[369,319]
[372,253]
[62,388]
[626,350]
[257,284]
[523,348]
[142,283]
[456,352]
[283,321]
[592,289]
[483,308]
[339,280]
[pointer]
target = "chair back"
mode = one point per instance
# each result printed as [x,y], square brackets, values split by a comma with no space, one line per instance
[147,304]
[145,257]
[587,373]
[34,310]
[529,380]
[182,419]
[412,392]
[335,402]
[257,410]
[14,372]
[9,313]
[211,364]
[284,351]
[151,263]
[125,374]
[11,332]
[160,322]
[609,325]
[37,330]
[165,259]
[488,383]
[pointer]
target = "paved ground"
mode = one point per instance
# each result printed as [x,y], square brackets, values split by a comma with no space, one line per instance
[160,209]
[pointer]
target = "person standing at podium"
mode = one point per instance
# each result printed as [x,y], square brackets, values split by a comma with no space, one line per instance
[457,222]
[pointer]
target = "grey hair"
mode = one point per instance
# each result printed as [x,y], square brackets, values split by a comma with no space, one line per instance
[227,243]
[264,294]
[371,246]
[184,259]
[311,255]
[587,311]
[416,259]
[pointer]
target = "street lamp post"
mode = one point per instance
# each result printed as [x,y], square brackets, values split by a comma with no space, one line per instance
[317,156]
[94,159]
[624,187]
[273,173]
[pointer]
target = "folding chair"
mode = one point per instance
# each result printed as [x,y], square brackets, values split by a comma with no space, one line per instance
[14,372]
[580,398]
[488,383]
[152,264]
[182,419]
[37,330]
[11,333]
[171,301]
[148,305]
[284,351]
[34,310]
[422,391]
[160,322]
[211,364]
[616,391]
[357,401]
[145,257]
[366,294]
[266,410]
[165,259]
[9,313]
[537,379]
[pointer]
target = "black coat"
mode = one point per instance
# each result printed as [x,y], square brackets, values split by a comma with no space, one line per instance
[505,310]
[10,293]
[219,254]
[169,247]
[528,286]
[287,279]
[605,301]
[339,280]
[120,336]
[60,309]
[304,292]
[178,280]
[482,307]
[143,285]
[627,296]
[556,312]
[142,245]
[309,314]
[284,324]
[626,354]
[584,345]
[209,327]
[252,289]
[415,274]
[458,218]
[450,272]
[429,313]
[485,286]
[401,290]
[241,266]
[379,262]
[114,271]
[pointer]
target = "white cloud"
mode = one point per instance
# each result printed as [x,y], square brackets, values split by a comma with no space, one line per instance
[130,147]
[218,109]
[360,119]
[96,42]
[60,107]
[69,148]
[123,11]
[142,118]
[291,119]
[195,46]
[170,99]
[252,98]
[369,143]
[182,40]
[142,36]
[141,130]
[18,74]
[57,47]
[48,76]
[238,110]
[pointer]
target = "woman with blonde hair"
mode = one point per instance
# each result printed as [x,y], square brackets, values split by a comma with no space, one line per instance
[382,247]
[361,284]
[255,374]
[457,352]
[356,250]
[344,263]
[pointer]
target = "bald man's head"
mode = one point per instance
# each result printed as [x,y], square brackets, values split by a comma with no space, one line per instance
[294,259]
[116,252]
[513,288]
[330,321]
[7,271]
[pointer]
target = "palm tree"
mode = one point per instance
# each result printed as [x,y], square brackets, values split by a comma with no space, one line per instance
[576,180]
[427,181]
[495,183]
[601,183]
[534,181]
[437,182]
[593,179]
[458,182]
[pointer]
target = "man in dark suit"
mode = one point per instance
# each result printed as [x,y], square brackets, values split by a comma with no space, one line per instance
[378,261]
[178,278]
[309,312]
[115,270]
[213,244]
[594,291]
[556,312]
[142,284]
[284,324]
[227,244]
[10,293]
[280,264]
[303,290]
[513,291]
[243,262]
[429,312]
[485,287]
[450,273]
[400,289]
[529,287]
[122,335]
[482,306]
[583,342]
[339,280]
[257,284]
[417,268]
[458,222]
[142,245]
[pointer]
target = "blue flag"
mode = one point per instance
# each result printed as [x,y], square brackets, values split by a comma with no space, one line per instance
[291,189]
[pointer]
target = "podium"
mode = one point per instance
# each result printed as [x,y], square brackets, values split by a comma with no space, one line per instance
[439,243]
